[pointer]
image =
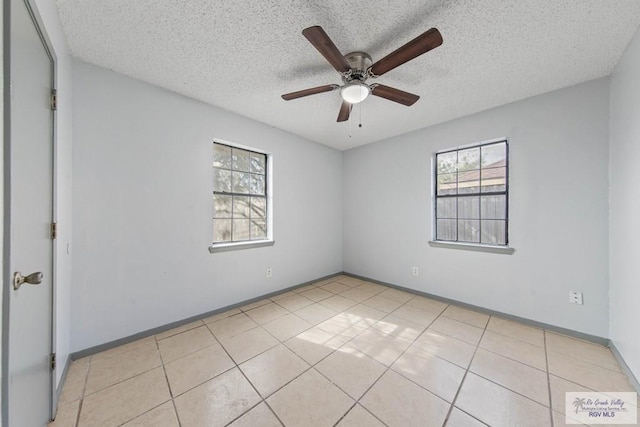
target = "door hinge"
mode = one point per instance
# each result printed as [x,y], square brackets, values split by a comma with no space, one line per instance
[54,99]
[54,230]
[53,361]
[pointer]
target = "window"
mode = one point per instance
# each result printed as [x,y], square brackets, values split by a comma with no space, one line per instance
[471,194]
[240,195]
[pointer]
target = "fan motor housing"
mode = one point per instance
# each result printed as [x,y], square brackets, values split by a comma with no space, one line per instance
[359,62]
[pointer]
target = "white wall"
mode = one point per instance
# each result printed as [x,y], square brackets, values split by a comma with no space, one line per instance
[142,206]
[558,210]
[624,290]
[62,210]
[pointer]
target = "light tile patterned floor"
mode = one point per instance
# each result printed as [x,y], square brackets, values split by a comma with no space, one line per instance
[340,352]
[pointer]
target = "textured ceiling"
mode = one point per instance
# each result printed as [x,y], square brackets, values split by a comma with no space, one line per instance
[241,55]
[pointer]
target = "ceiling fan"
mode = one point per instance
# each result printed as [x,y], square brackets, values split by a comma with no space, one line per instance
[356,68]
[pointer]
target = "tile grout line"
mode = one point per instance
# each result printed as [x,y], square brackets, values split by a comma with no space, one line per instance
[137,375]
[124,380]
[455,397]
[366,329]
[162,363]
[508,389]
[280,342]
[294,314]
[251,408]
[262,399]
[399,356]
[412,342]
[356,401]
[146,412]
[435,355]
[84,387]
[166,377]
[346,413]
[77,424]
[236,365]
[504,386]
[334,335]
[546,360]
[514,391]
[512,359]
[180,332]
[270,409]
[597,365]
[196,351]
[514,338]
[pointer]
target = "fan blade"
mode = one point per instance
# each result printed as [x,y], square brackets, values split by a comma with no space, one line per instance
[307,92]
[345,110]
[321,41]
[428,40]
[395,95]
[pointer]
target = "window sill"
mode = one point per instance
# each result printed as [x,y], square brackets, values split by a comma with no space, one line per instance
[226,247]
[473,247]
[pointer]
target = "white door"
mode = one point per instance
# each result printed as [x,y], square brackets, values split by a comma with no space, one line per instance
[30,200]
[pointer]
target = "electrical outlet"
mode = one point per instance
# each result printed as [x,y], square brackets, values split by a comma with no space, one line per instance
[575,297]
[415,271]
[269,272]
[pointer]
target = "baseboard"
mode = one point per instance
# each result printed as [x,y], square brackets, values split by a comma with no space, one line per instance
[570,332]
[116,343]
[632,378]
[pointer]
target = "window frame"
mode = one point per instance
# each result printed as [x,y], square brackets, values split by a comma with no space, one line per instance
[456,244]
[245,244]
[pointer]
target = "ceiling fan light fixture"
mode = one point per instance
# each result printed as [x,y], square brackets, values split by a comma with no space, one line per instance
[355,92]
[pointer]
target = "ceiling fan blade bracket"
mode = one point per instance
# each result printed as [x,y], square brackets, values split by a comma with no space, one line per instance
[347,75]
[370,74]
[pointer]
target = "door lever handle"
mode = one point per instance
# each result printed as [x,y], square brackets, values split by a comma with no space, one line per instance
[32,279]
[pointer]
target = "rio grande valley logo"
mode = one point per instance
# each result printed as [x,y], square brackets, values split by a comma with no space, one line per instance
[601,408]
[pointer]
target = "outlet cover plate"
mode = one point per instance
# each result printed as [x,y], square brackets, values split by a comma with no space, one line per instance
[575,297]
